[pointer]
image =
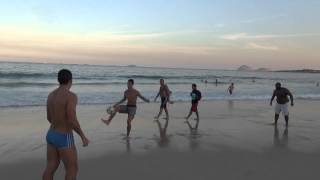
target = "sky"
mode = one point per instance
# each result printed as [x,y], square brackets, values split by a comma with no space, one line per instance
[219,34]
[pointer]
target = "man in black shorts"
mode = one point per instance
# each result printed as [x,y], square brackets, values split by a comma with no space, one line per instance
[131,96]
[164,94]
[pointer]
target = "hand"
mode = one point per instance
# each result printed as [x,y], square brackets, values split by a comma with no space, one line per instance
[85,141]
[292,104]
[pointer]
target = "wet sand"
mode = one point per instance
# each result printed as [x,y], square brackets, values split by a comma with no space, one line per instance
[235,140]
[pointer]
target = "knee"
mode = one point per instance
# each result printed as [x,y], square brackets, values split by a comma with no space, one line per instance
[128,122]
[71,172]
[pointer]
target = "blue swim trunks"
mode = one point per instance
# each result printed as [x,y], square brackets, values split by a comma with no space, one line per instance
[60,140]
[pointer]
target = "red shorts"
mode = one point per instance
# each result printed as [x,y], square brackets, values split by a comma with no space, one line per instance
[194,107]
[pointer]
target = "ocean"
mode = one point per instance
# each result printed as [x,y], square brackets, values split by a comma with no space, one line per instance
[28,84]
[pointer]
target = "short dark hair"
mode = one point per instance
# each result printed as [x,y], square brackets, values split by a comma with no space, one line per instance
[194,85]
[132,81]
[64,76]
[278,84]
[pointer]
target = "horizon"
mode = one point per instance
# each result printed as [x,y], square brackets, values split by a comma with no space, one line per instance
[167,34]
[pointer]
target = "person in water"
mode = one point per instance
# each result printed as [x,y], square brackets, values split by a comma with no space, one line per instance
[195,98]
[231,88]
[61,114]
[164,94]
[131,96]
[282,102]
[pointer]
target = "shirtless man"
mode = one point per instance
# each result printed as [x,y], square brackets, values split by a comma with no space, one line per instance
[164,94]
[282,102]
[131,96]
[61,114]
[231,88]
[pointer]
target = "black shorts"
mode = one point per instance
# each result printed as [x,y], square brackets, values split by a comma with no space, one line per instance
[164,102]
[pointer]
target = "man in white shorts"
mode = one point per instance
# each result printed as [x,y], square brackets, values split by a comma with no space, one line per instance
[282,102]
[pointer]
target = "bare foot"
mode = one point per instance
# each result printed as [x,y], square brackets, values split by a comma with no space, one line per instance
[107,122]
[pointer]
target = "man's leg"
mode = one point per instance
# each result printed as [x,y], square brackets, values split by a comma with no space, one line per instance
[159,114]
[107,122]
[276,117]
[130,118]
[53,162]
[198,119]
[286,117]
[197,113]
[70,160]
[190,113]
[167,113]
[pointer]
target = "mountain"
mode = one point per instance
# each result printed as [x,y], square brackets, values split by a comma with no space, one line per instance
[244,68]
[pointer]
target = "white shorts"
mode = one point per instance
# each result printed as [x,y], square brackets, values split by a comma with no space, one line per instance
[282,108]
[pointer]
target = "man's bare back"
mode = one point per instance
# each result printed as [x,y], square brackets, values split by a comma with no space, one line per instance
[57,111]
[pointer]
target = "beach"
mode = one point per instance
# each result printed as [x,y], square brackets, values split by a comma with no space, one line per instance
[235,140]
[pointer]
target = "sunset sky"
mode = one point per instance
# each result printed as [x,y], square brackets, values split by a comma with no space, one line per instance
[277,34]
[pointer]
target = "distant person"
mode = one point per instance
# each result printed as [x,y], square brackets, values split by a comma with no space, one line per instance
[253,79]
[206,81]
[195,98]
[231,88]
[317,84]
[131,96]
[217,82]
[164,94]
[282,102]
[61,114]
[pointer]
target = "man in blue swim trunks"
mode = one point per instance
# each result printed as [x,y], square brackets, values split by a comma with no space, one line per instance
[61,114]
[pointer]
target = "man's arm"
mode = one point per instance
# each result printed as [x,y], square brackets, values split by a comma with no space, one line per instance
[272,98]
[155,99]
[143,98]
[48,113]
[291,97]
[72,118]
[121,101]
[168,92]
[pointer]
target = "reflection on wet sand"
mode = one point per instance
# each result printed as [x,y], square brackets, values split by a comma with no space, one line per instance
[194,135]
[128,144]
[164,139]
[230,105]
[280,142]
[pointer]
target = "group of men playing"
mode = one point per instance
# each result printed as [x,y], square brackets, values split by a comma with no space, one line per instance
[61,114]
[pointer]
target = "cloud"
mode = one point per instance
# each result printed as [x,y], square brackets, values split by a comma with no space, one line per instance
[246,36]
[219,25]
[258,19]
[256,46]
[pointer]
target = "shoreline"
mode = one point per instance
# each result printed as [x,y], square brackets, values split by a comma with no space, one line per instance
[179,101]
[233,136]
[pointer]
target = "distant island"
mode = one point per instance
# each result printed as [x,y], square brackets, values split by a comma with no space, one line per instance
[301,71]
[248,68]
[132,65]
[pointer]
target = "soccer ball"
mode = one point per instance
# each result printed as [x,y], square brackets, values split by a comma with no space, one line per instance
[110,110]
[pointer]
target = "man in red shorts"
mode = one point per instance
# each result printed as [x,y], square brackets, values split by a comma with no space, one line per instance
[195,98]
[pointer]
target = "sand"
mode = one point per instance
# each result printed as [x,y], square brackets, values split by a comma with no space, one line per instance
[234,141]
